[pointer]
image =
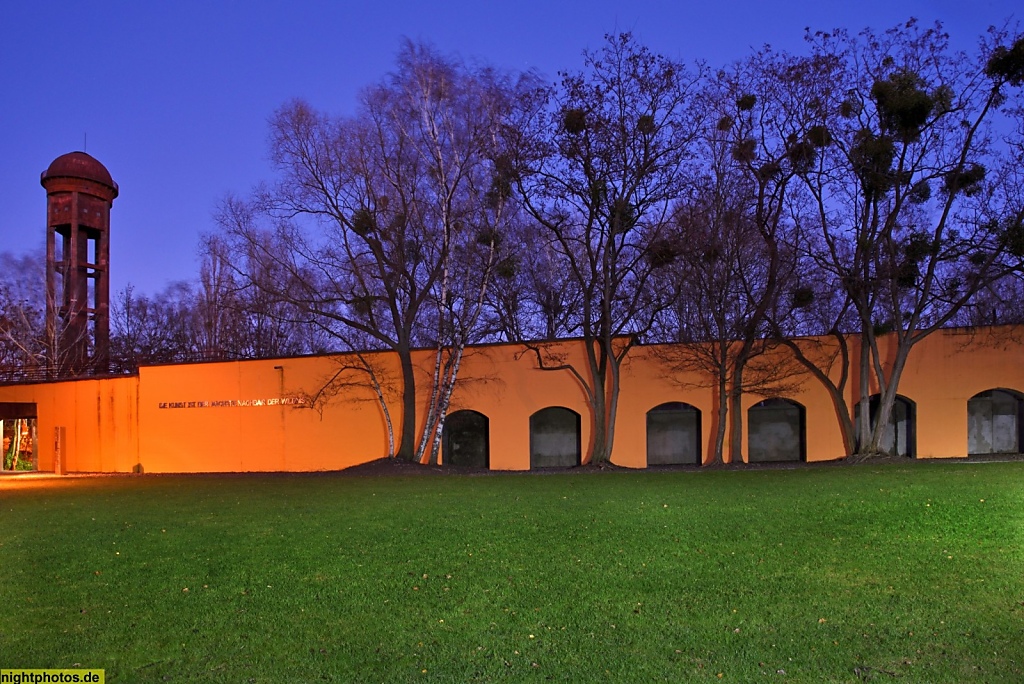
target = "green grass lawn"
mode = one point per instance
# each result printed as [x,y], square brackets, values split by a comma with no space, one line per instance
[848,574]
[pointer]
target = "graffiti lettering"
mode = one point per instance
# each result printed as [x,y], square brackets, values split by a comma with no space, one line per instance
[225,403]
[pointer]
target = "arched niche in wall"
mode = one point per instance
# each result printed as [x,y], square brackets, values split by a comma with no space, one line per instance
[465,440]
[554,438]
[776,432]
[994,422]
[899,437]
[673,434]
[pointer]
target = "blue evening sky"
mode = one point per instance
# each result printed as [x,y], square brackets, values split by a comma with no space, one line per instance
[173,97]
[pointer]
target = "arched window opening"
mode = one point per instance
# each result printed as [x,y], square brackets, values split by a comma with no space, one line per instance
[554,438]
[673,435]
[994,421]
[465,441]
[776,432]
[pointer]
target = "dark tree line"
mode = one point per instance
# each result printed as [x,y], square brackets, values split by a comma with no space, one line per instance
[786,206]
[216,317]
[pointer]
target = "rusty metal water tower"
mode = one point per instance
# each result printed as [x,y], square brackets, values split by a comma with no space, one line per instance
[79,195]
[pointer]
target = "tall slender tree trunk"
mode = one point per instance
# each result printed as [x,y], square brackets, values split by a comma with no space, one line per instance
[432,417]
[407,445]
[613,406]
[723,413]
[383,401]
[599,444]
[16,445]
[864,402]
[736,411]
[445,400]
[598,394]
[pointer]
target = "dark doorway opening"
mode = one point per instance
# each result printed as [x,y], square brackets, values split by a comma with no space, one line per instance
[994,421]
[555,438]
[465,441]
[776,432]
[673,435]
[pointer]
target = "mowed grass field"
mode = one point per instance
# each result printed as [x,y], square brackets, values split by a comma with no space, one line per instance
[841,573]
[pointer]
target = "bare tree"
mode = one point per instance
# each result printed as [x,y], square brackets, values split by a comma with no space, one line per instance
[377,218]
[599,179]
[22,315]
[34,345]
[749,289]
[725,282]
[909,189]
[737,232]
[241,317]
[220,323]
[156,329]
[533,297]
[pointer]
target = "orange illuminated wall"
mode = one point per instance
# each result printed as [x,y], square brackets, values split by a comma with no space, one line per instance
[98,421]
[254,415]
[949,368]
